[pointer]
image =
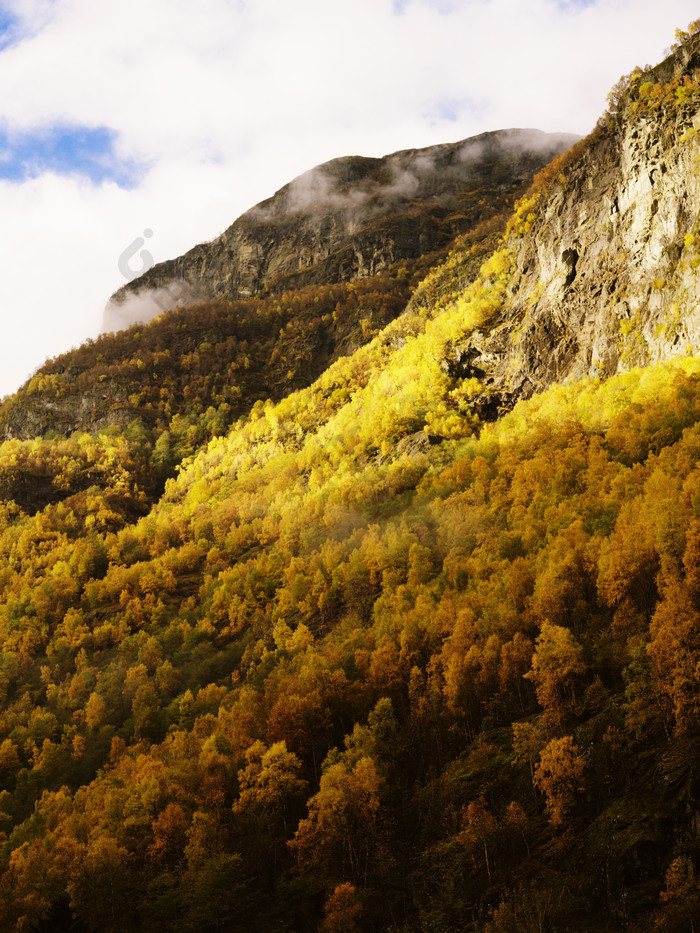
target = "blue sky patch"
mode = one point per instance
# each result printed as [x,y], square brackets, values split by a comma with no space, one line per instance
[66,150]
[444,7]
[569,5]
[8,28]
[453,109]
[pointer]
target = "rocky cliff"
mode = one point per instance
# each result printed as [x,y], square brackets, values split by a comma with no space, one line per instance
[606,247]
[351,218]
[603,253]
[329,260]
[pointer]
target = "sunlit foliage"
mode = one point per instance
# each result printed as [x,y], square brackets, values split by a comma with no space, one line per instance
[367,663]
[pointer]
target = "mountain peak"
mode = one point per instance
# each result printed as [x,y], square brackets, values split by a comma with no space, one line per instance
[347,219]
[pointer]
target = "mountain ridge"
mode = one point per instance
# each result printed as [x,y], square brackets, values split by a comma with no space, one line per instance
[411,647]
[352,217]
[280,339]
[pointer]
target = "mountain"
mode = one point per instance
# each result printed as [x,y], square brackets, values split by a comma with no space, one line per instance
[329,260]
[414,646]
[351,218]
[605,272]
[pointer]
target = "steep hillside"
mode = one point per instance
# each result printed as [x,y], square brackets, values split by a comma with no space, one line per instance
[605,248]
[375,227]
[193,372]
[354,217]
[413,648]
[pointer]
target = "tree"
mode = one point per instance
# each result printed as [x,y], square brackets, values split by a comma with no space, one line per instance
[674,650]
[528,739]
[559,776]
[343,910]
[527,909]
[338,834]
[216,898]
[168,833]
[516,658]
[95,710]
[479,827]
[556,665]
[269,784]
[681,899]
[99,887]
[629,561]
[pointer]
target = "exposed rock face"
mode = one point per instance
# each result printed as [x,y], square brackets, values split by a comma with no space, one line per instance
[94,409]
[349,218]
[345,221]
[606,276]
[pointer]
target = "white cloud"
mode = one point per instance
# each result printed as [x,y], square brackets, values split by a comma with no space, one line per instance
[227,100]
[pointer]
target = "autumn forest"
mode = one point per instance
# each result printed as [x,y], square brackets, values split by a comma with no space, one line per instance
[309,635]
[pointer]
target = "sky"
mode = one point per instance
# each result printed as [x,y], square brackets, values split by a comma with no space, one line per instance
[138,128]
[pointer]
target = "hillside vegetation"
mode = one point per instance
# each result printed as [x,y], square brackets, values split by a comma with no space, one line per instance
[376,656]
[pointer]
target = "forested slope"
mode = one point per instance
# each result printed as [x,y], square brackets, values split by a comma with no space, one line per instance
[454,687]
[384,656]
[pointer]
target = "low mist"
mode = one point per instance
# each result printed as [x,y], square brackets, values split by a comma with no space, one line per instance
[146,304]
[515,141]
[311,191]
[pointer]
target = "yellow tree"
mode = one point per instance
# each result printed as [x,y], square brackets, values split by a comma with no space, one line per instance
[681,899]
[674,651]
[338,834]
[269,783]
[478,829]
[556,665]
[343,909]
[559,776]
